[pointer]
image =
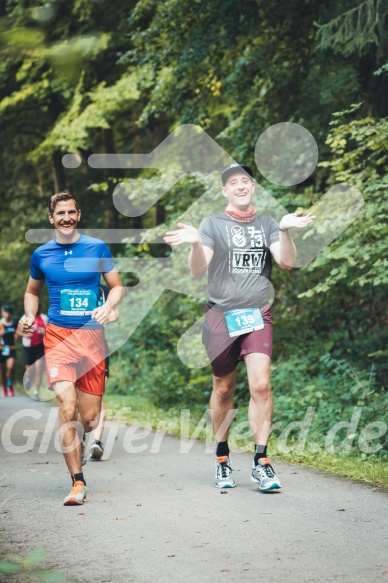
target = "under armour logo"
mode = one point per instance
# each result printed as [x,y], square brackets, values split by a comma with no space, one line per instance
[68,252]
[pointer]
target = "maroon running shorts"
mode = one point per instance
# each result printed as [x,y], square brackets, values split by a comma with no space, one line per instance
[225,352]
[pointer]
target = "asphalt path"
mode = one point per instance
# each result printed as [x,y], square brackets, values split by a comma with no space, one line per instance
[153,514]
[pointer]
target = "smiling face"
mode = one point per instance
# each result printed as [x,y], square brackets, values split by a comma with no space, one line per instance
[239,189]
[65,218]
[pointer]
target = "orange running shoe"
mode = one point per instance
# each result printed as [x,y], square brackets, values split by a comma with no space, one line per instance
[77,495]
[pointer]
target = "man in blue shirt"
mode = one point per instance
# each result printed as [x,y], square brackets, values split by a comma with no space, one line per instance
[71,266]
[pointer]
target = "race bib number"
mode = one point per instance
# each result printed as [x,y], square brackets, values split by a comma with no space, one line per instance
[77,302]
[6,350]
[243,320]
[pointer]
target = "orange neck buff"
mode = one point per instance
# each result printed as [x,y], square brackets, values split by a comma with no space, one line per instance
[241,216]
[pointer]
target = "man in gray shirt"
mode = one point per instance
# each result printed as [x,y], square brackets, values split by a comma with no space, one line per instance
[236,249]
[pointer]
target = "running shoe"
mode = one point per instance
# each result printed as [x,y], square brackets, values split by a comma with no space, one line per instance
[11,391]
[36,395]
[4,392]
[96,451]
[265,476]
[224,478]
[77,495]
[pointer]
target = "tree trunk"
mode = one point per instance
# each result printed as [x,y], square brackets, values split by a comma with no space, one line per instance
[58,172]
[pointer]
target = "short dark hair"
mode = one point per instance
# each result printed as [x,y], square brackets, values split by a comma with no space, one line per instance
[58,197]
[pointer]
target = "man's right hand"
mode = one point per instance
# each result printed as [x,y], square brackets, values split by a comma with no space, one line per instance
[26,324]
[186,234]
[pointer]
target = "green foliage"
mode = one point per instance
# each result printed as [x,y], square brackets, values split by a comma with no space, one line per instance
[89,111]
[335,391]
[149,360]
[28,568]
[357,29]
[359,157]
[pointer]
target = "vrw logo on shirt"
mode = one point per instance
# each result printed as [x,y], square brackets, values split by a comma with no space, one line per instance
[251,261]
[251,258]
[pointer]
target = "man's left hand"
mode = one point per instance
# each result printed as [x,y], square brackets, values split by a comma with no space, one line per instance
[102,314]
[296,220]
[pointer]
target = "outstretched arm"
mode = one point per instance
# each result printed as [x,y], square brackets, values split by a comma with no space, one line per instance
[200,256]
[284,251]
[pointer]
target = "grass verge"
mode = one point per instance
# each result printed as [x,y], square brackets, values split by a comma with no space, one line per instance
[372,469]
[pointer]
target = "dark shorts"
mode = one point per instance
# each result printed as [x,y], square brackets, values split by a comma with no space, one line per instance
[5,357]
[225,352]
[33,353]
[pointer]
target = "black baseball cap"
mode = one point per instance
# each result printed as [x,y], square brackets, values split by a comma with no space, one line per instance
[234,169]
[7,308]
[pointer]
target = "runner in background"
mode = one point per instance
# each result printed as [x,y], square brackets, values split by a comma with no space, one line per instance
[26,342]
[4,387]
[33,353]
[8,332]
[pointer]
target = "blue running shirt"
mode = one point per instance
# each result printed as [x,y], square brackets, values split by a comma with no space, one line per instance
[73,294]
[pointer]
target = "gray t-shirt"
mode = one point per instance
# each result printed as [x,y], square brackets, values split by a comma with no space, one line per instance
[240,270]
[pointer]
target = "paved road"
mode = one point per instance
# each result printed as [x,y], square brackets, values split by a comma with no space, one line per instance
[155,517]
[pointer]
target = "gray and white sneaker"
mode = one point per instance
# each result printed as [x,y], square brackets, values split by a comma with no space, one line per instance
[96,451]
[265,476]
[224,478]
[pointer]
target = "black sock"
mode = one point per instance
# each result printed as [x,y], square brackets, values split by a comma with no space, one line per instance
[222,448]
[78,477]
[260,451]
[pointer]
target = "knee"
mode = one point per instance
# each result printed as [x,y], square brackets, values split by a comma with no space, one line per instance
[90,418]
[68,409]
[223,389]
[261,389]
